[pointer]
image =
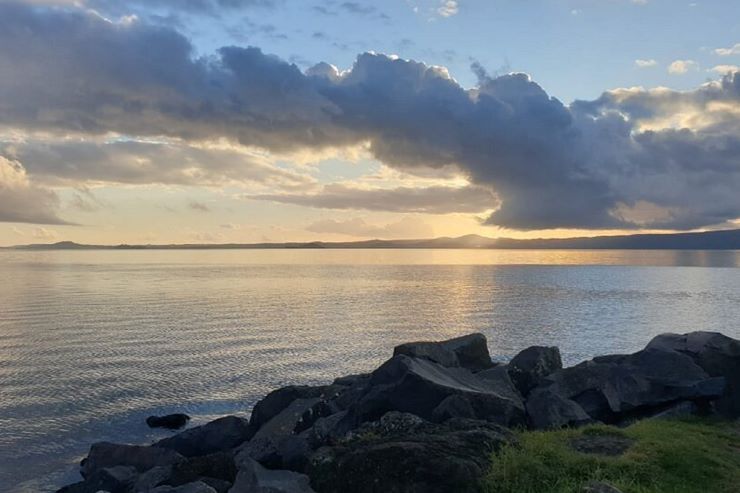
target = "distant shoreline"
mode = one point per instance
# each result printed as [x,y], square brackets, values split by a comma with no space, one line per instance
[710,240]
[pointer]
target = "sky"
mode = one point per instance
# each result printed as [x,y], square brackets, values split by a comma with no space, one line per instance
[215,121]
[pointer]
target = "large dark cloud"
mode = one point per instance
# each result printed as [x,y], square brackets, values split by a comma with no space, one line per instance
[549,164]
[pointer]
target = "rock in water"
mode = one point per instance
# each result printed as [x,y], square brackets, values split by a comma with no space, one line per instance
[470,351]
[218,435]
[170,421]
[529,368]
[103,455]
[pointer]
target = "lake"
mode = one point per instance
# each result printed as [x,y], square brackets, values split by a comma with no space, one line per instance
[92,342]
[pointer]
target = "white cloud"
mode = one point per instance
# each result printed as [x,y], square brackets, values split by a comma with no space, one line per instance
[641,63]
[23,202]
[733,50]
[680,67]
[44,234]
[448,8]
[724,69]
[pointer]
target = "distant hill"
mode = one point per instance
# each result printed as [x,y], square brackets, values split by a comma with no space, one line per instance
[710,240]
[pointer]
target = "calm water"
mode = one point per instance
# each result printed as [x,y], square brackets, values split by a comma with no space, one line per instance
[93,342]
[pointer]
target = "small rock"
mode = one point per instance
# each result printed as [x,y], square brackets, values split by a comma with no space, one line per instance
[601,444]
[170,421]
[195,487]
[599,487]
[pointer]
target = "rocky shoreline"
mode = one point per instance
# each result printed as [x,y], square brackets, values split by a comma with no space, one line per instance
[427,420]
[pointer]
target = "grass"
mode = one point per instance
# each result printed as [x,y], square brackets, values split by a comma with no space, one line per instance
[667,456]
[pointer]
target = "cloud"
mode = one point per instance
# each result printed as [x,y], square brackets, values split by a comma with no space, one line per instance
[134,162]
[23,202]
[680,67]
[407,227]
[198,206]
[733,50]
[429,200]
[448,8]
[640,63]
[540,163]
[725,69]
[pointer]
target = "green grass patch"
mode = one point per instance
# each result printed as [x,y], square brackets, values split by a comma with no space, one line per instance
[666,456]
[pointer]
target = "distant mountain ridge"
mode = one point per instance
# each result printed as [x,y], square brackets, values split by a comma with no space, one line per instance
[709,240]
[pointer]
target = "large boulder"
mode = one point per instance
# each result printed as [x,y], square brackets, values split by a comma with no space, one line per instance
[618,388]
[105,455]
[419,386]
[118,479]
[277,400]
[529,368]
[469,351]
[253,478]
[716,354]
[406,454]
[217,436]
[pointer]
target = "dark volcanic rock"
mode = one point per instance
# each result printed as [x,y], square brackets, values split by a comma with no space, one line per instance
[277,400]
[418,386]
[599,487]
[103,455]
[195,487]
[253,478]
[716,354]
[530,367]
[613,389]
[470,351]
[118,479]
[601,444]
[547,408]
[170,421]
[409,456]
[219,465]
[218,435]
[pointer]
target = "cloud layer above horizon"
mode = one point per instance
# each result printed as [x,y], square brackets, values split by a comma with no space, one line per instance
[88,99]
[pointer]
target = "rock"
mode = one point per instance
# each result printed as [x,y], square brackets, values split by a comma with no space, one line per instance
[325,430]
[608,444]
[219,466]
[409,455]
[104,455]
[277,400]
[152,478]
[453,406]
[716,354]
[619,388]
[549,409]
[195,487]
[253,478]
[599,487]
[118,479]
[418,386]
[218,435]
[530,367]
[170,421]
[276,445]
[680,409]
[470,351]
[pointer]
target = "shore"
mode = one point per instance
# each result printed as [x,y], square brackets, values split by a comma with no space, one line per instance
[442,416]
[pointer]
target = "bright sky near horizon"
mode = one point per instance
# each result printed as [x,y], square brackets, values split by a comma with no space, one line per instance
[178,121]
